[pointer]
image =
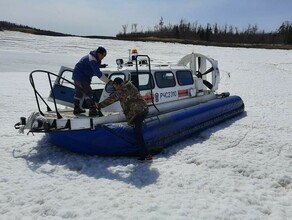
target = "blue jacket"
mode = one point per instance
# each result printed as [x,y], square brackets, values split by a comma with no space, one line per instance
[87,67]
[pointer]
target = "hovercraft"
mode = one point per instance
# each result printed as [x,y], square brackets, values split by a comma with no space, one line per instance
[182,100]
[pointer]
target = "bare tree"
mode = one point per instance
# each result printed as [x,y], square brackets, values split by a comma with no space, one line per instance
[161,23]
[125,27]
[134,28]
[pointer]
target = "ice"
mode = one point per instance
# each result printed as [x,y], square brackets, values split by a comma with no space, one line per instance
[239,169]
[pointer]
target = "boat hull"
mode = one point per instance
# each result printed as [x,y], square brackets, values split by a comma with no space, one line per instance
[116,139]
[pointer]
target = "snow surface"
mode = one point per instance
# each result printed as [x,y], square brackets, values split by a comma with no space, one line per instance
[239,169]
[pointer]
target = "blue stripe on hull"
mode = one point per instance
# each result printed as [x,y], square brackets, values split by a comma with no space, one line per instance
[163,130]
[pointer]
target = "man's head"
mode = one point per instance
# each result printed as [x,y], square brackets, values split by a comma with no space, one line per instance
[117,83]
[100,53]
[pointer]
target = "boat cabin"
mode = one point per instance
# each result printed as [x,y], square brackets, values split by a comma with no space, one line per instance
[158,84]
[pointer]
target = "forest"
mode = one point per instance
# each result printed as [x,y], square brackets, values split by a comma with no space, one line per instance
[188,33]
[5,25]
[216,33]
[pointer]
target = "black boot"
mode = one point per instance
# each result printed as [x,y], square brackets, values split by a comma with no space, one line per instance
[93,112]
[77,109]
[92,108]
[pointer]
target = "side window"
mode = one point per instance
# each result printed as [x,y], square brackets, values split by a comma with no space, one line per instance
[184,77]
[164,79]
[67,74]
[116,75]
[109,87]
[145,81]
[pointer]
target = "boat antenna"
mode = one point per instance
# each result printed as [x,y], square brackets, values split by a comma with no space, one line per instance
[129,54]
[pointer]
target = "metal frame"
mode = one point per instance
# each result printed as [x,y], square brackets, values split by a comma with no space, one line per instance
[37,94]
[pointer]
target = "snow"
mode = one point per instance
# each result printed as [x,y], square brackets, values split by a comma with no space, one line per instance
[239,169]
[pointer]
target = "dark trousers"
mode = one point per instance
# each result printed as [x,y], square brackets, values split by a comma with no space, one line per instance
[83,88]
[138,123]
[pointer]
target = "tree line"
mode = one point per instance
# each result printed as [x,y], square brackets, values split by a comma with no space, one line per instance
[211,33]
[187,32]
[5,25]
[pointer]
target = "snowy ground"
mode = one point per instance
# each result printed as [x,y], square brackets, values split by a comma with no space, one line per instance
[240,169]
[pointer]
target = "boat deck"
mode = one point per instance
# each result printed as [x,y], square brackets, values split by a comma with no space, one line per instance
[68,113]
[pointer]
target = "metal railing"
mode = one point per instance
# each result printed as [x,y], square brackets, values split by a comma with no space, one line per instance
[38,95]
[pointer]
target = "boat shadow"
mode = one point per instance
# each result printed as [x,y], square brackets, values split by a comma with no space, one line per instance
[48,159]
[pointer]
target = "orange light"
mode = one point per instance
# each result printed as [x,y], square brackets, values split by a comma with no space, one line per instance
[134,51]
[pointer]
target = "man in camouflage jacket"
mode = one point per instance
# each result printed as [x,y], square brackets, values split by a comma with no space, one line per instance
[134,108]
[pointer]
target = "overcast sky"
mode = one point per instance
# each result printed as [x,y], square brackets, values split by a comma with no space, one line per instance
[106,17]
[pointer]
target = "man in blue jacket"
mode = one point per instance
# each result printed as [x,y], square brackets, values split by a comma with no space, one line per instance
[83,72]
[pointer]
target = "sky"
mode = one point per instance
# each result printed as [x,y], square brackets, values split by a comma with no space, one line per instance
[106,17]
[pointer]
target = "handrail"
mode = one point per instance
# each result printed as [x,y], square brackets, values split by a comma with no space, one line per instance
[37,94]
[137,70]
